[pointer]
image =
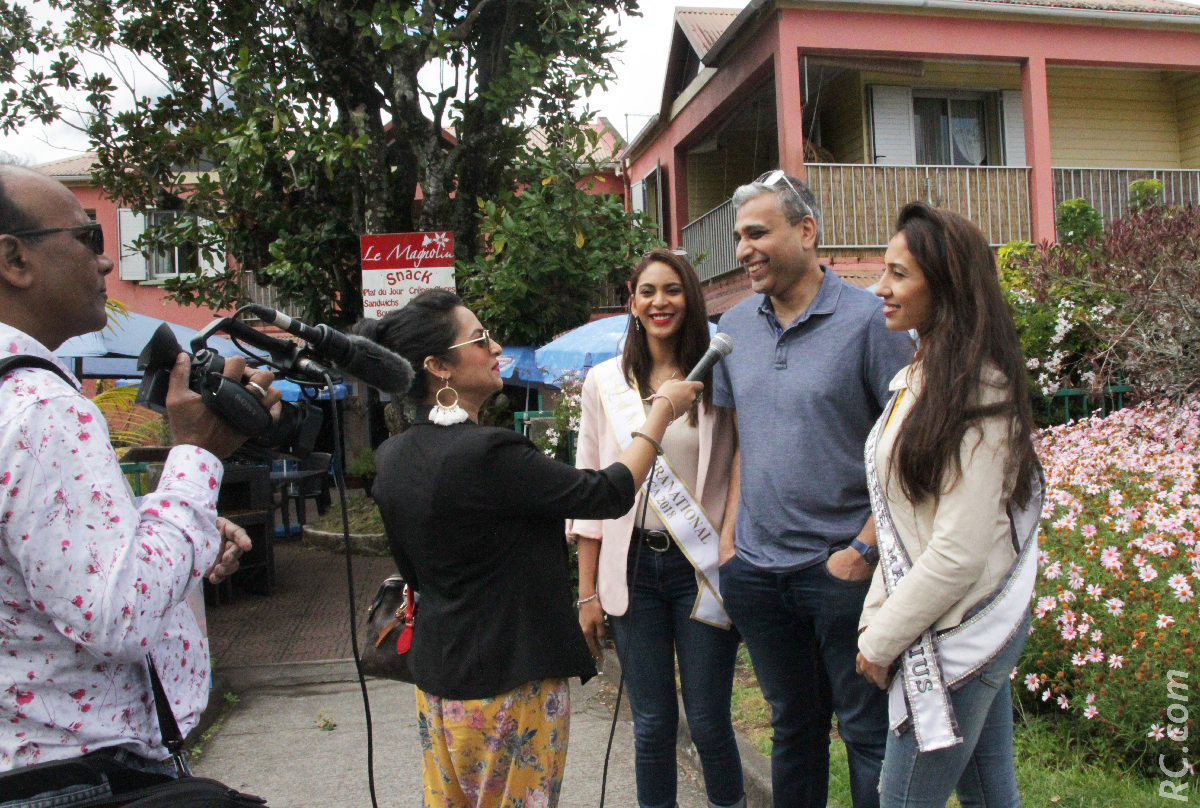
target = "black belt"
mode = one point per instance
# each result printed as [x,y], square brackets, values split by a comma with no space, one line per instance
[657,540]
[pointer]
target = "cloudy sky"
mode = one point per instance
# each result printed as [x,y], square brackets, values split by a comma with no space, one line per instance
[637,91]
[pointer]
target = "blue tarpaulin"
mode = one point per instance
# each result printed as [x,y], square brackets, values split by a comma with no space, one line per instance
[113,352]
[518,366]
[585,347]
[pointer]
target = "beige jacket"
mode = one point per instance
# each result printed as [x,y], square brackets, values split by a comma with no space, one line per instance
[960,545]
[597,449]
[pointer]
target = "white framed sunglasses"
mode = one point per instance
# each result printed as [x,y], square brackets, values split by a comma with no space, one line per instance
[773,178]
[485,338]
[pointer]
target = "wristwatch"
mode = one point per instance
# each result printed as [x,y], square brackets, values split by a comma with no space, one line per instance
[869,552]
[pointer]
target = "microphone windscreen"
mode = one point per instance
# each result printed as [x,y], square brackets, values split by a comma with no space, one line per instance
[378,367]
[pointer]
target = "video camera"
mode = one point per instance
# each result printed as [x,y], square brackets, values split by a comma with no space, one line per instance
[295,433]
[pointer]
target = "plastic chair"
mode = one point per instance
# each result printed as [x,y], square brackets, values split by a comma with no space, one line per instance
[315,488]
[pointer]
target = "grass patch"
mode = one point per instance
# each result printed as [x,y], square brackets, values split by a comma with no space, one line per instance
[363,512]
[196,750]
[1052,769]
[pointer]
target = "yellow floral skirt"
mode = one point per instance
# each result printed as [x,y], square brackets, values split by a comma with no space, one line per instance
[508,751]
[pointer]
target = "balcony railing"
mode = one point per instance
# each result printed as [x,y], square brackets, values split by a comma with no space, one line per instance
[252,292]
[709,242]
[1107,189]
[860,203]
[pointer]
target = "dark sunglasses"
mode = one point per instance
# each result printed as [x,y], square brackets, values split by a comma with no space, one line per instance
[94,234]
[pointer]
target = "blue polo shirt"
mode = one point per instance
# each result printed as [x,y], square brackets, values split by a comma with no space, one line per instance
[806,397]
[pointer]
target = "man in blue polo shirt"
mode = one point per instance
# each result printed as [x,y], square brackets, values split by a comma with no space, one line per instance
[808,378]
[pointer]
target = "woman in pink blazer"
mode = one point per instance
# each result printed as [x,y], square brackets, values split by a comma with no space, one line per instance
[653,570]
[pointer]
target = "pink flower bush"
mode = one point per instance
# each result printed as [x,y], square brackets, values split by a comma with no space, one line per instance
[1114,607]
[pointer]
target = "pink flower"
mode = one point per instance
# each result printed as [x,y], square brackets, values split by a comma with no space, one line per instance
[1177,734]
[1156,732]
[1078,661]
[1110,558]
[1091,698]
[1165,621]
[1031,682]
[1088,531]
[1053,571]
[1148,574]
[1115,606]
[1063,703]
[1046,694]
[1116,661]
[1090,712]
[1094,591]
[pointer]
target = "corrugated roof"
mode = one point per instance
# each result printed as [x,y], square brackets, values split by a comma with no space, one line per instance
[704,26]
[80,166]
[1141,6]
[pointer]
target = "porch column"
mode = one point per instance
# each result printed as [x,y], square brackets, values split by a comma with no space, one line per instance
[789,105]
[1036,102]
[678,190]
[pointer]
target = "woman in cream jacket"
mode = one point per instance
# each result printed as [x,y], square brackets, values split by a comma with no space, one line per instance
[952,459]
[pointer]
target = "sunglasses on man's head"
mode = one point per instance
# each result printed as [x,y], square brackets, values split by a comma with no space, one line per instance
[681,253]
[90,234]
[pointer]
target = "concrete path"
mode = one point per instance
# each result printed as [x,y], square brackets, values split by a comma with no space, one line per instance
[271,744]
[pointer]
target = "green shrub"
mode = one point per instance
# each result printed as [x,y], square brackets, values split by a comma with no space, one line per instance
[1144,194]
[1077,221]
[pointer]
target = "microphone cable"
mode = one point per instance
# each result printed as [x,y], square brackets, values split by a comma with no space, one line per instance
[637,558]
[339,477]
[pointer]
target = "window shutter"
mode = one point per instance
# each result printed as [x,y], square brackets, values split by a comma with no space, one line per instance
[637,197]
[892,126]
[131,262]
[1013,114]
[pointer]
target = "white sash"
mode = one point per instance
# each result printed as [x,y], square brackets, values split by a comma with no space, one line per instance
[920,694]
[672,500]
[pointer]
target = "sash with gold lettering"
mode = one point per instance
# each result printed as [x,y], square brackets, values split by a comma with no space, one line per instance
[938,661]
[671,498]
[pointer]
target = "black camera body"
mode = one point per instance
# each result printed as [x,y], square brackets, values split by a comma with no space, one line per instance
[295,432]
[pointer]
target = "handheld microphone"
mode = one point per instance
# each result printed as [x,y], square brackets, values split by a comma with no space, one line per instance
[720,347]
[366,360]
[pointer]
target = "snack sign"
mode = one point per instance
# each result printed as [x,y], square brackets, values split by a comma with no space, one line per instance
[396,267]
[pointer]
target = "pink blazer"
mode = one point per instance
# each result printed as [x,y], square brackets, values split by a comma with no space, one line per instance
[596,449]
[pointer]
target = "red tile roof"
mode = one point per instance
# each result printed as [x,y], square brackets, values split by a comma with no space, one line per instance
[703,26]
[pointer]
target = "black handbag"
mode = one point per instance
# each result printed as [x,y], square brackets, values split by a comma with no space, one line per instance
[389,631]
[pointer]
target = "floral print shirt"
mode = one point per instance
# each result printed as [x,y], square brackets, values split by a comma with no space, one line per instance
[89,582]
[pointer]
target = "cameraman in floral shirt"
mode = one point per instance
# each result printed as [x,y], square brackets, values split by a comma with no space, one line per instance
[90,583]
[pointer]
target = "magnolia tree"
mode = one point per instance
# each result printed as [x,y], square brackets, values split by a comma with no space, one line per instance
[309,122]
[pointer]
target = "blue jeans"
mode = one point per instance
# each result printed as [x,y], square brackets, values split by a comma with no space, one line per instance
[655,629]
[980,768]
[801,628]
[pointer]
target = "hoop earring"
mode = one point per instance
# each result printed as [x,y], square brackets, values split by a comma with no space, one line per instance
[447,414]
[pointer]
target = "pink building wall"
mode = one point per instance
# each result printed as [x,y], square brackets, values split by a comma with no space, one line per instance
[143,298]
[785,36]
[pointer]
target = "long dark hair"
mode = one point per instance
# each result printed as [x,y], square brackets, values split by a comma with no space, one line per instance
[693,335]
[970,328]
[424,327]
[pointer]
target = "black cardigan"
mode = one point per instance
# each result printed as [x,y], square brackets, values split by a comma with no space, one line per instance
[474,518]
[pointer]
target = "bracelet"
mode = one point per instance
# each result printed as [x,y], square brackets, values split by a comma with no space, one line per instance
[579,603]
[674,414]
[657,446]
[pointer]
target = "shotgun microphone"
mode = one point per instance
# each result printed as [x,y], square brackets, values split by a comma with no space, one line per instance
[364,359]
[718,349]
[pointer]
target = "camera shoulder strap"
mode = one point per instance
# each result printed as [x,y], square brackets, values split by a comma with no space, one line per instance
[19,361]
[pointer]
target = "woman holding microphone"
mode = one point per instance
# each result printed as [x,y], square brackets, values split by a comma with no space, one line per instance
[653,569]
[474,520]
[956,491]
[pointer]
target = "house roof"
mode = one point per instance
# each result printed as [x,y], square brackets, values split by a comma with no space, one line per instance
[608,144]
[1132,11]
[69,168]
[704,26]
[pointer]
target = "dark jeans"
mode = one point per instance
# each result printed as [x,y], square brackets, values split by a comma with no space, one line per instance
[802,631]
[655,629]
